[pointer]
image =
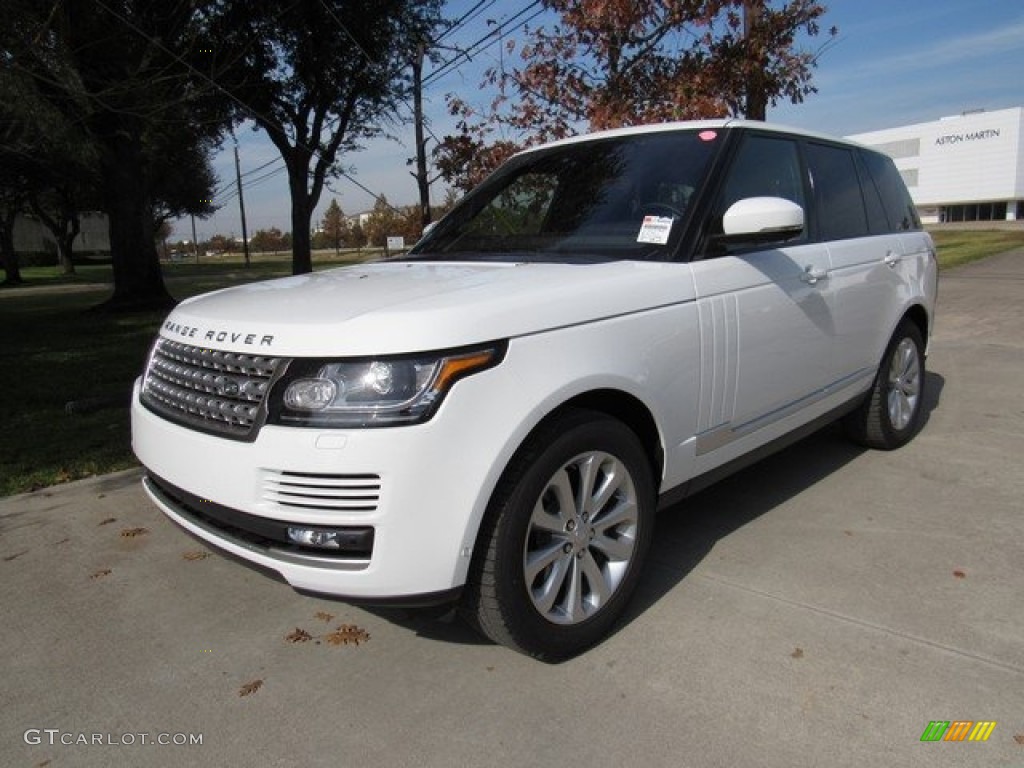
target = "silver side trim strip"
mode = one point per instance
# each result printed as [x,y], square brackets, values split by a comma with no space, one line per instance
[723,434]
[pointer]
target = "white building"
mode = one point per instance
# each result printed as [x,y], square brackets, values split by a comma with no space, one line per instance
[968,167]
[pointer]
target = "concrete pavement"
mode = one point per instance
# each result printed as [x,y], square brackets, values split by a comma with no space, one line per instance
[818,609]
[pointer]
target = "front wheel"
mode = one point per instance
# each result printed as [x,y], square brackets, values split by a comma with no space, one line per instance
[891,413]
[566,533]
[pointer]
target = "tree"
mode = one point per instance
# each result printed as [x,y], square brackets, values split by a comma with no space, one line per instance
[318,78]
[357,237]
[334,225]
[264,240]
[611,63]
[383,221]
[49,170]
[221,244]
[127,78]
[12,202]
[57,210]
[183,179]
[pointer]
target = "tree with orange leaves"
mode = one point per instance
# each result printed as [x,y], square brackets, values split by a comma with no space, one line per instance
[612,63]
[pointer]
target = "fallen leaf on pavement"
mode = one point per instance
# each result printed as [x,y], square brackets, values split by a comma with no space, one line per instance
[347,634]
[250,688]
[298,636]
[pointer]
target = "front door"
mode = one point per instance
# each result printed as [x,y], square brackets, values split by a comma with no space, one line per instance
[766,316]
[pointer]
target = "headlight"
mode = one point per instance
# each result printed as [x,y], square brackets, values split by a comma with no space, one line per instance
[378,392]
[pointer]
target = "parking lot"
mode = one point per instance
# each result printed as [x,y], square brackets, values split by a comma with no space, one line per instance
[818,609]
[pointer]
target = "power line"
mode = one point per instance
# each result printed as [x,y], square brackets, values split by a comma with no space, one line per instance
[482,44]
[468,16]
[476,47]
[250,110]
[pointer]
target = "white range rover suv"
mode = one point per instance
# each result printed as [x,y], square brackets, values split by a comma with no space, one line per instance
[606,324]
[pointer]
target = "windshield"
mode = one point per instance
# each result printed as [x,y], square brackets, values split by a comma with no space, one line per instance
[620,198]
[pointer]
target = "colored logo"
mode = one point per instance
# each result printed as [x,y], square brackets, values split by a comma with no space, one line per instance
[958,730]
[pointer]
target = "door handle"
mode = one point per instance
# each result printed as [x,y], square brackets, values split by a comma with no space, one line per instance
[891,259]
[811,274]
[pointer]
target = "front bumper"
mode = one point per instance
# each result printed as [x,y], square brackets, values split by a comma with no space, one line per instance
[412,511]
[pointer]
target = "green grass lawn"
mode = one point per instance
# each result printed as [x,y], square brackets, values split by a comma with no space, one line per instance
[960,246]
[53,350]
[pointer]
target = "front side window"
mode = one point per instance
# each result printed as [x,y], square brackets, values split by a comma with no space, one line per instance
[764,166]
[618,198]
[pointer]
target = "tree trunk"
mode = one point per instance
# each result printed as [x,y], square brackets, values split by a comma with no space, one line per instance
[302,214]
[70,227]
[12,268]
[65,259]
[756,92]
[64,227]
[138,282]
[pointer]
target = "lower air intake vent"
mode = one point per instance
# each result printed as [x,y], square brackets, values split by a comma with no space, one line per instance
[344,493]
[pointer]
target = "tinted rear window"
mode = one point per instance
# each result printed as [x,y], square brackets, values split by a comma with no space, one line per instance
[841,213]
[900,211]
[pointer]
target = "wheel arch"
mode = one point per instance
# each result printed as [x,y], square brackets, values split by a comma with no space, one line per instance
[624,407]
[918,315]
[617,404]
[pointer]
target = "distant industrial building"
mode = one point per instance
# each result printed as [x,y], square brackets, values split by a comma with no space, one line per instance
[967,167]
[31,236]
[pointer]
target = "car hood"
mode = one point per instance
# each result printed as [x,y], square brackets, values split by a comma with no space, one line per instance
[398,307]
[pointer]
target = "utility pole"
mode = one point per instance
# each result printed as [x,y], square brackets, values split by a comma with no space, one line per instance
[241,205]
[421,143]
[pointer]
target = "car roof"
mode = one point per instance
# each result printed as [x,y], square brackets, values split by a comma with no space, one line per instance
[689,125]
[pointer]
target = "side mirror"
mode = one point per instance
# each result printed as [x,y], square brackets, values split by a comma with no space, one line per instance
[762,219]
[426,229]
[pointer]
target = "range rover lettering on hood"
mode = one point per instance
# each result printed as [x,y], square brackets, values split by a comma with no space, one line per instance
[235,337]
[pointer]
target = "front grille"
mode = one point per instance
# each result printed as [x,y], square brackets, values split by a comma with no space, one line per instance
[346,493]
[210,390]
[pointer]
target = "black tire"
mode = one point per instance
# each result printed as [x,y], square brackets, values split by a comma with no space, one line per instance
[891,412]
[603,551]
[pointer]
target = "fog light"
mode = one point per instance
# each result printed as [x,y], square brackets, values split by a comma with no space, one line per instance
[307,537]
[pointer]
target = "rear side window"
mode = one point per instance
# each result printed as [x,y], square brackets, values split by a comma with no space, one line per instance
[841,213]
[878,222]
[899,206]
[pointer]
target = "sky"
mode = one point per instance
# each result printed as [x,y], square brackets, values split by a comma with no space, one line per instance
[893,63]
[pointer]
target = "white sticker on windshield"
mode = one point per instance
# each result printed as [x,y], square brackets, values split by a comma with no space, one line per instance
[655,229]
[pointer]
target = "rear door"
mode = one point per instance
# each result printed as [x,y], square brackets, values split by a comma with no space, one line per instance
[865,252]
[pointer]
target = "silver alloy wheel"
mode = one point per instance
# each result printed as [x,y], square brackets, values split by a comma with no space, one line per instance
[581,538]
[904,384]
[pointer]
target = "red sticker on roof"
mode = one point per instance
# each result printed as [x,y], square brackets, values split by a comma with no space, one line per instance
[707,135]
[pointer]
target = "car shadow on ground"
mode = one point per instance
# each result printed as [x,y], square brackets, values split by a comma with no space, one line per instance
[686,532]
[689,530]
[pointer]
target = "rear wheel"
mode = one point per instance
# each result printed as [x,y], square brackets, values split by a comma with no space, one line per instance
[891,413]
[565,536]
